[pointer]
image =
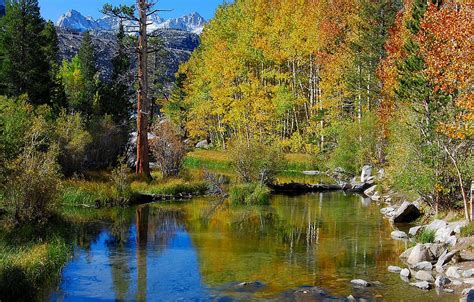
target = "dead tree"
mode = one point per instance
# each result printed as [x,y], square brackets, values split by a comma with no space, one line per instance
[138,16]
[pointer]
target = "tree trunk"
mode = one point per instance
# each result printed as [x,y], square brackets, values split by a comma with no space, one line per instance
[143,107]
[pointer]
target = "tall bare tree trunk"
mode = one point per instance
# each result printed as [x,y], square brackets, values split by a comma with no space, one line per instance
[143,110]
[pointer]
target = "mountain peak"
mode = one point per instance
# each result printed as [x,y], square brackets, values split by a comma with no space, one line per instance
[75,21]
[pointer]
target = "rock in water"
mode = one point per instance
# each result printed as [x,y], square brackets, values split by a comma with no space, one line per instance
[419,254]
[366,173]
[394,269]
[421,285]
[360,282]
[405,273]
[399,235]
[424,276]
[407,212]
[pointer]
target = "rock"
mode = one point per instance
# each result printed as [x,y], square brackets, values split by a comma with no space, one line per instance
[405,273]
[415,230]
[442,281]
[443,234]
[351,298]
[360,282]
[311,291]
[424,276]
[399,235]
[394,269]
[387,210]
[456,282]
[250,286]
[452,240]
[448,290]
[372,193]
[311,172]
[437,250]
[203,144]
[468,273]
[445,258]
[381,174]
[453,272]
[424,285]
[419,253]
[469,281]
[406,254]
[457,226]
[466,291]
[366,173]
[407,212]
[423,266]
[435,225]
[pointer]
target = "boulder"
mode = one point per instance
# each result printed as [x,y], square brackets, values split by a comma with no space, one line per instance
[405,273]
[442,281]
[372,193]
[424,285]
[423,266]
[394,269]
[435,225]
[360,282]
[443,234]
[203,144]
[445,258]
[466,291]
[399,235]
[407,212]
[419,253]
[453,272]
[415,230]
[436,249]
[366,173]
[406,254]
[424,276]
[468,273]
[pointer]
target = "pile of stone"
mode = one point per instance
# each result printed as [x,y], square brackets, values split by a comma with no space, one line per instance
[405,213]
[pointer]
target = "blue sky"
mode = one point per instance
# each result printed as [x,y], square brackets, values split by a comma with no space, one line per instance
[53,9]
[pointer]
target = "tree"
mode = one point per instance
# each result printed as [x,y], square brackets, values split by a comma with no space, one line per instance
[139,15]
[86,57]
[27,51]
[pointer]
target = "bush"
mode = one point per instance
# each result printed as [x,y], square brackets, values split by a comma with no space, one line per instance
[73,140]
[107,143]
[427,236]
[33,185]
[167,148]
[121,179]
[256,162]
[249,194]
[356,144]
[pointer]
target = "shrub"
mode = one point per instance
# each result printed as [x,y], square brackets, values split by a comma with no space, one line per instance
[121,179]
[249,194]
[72,139]
[256,162]
[167,148]
[33,185]
[468,230]
[427,236]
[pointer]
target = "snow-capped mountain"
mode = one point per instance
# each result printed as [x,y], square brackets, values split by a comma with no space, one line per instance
[75,21]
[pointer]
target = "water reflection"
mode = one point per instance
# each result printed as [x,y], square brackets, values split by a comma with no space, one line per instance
[201,250]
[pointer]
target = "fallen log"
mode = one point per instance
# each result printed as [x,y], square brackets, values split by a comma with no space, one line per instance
[300,188]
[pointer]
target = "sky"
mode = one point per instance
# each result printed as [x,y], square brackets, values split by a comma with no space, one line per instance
[53,9]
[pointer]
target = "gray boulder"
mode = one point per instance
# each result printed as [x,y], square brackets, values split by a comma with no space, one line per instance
[406,254]
[468,273]
[394,269]
[445,258]
[423,266]
[399,235]
[436,249]
[442,281]
[453,272]
[405,273]
[203,145]
[366,173]
[407,212]
[419,253]
[424,285]
[415,230]
[372,193]
[360,282]
[424,276]
[435,225]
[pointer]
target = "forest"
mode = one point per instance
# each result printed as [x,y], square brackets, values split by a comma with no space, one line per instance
[276,89]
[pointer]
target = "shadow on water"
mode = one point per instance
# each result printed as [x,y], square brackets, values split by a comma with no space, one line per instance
[206,250]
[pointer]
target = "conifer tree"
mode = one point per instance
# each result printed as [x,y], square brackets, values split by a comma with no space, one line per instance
[89,75]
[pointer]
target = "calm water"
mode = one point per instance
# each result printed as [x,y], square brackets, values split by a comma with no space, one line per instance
[202,250]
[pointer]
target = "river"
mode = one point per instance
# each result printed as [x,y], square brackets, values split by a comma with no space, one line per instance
[204,249]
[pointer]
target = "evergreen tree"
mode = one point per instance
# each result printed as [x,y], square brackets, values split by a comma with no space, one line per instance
[25,54]
[86,57]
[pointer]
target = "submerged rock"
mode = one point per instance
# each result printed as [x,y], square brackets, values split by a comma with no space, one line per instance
[360,282]
[394,269]
[407,212]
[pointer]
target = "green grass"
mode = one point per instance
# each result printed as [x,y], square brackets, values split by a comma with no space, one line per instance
[171,187]
[249,194]
[88,193]
[426,236]
[468,230]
